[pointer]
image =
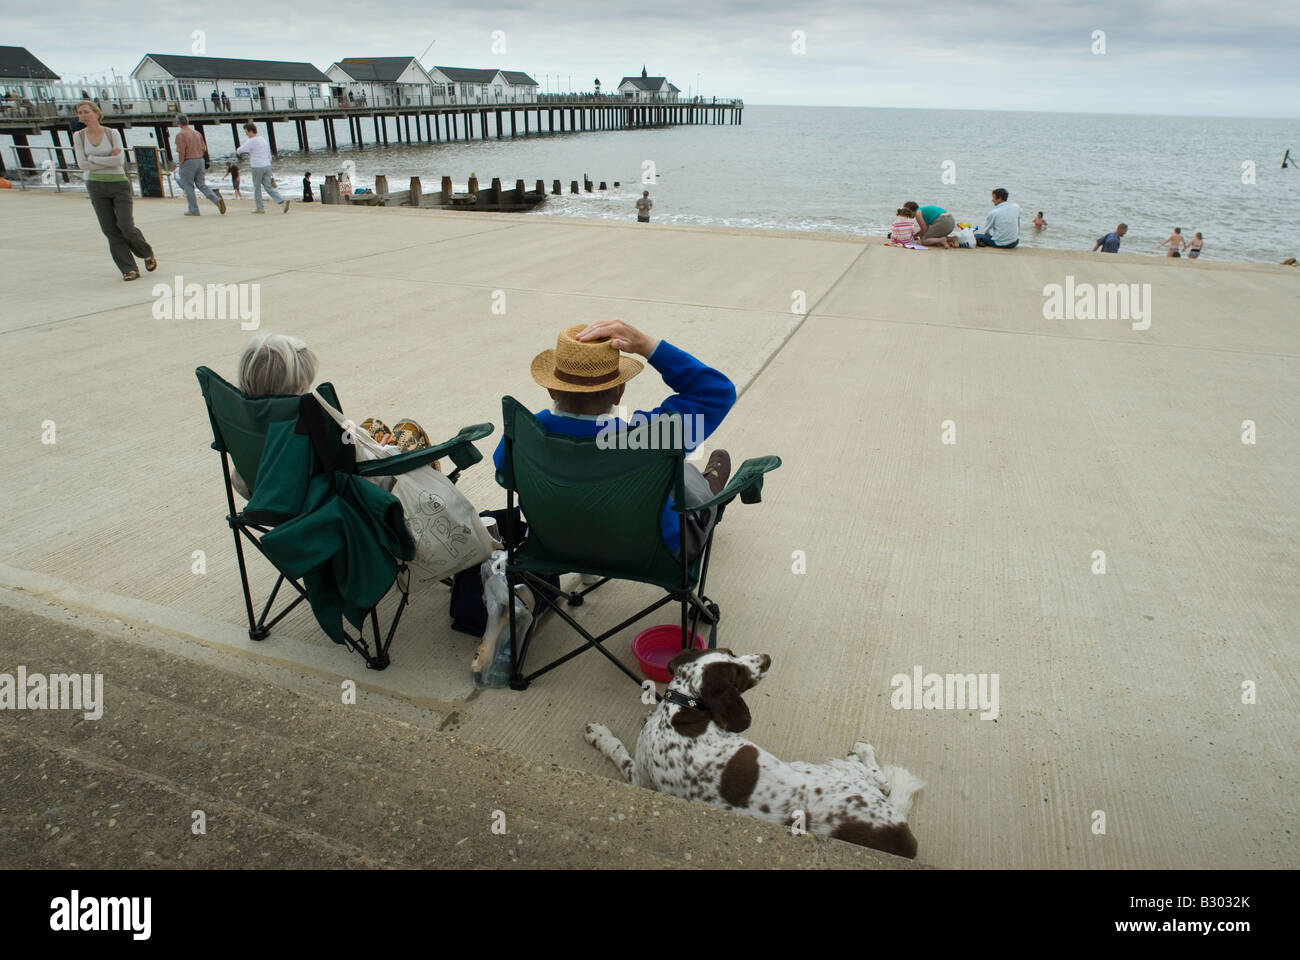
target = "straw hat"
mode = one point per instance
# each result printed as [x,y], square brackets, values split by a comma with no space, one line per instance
[581,367]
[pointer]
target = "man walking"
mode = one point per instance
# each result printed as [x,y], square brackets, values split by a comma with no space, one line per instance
[1110,242]
[643,207]
[190,150]
[1002,228]
[259,158]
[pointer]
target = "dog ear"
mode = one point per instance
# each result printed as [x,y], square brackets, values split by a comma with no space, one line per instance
[686,656]
[722,685]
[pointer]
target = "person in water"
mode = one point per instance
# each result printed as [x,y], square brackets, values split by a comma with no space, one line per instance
[1039,222]
[1195,245]
[1175,243]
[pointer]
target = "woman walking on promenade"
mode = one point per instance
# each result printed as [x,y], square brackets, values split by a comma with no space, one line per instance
[101,155]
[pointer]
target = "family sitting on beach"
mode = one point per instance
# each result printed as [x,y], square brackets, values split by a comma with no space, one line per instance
[932,226]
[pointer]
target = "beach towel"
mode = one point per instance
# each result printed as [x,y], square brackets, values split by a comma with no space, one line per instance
[905,244]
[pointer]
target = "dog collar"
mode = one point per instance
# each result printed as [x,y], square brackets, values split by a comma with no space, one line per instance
[672,696]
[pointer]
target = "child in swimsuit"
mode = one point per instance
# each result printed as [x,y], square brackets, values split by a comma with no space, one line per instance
[1194,246]
[1175,243]
[1039,222]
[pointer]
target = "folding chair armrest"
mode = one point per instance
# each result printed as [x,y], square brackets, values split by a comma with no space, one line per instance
[459,449]
[747,483]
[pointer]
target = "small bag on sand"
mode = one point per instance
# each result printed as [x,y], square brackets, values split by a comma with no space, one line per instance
[966,237]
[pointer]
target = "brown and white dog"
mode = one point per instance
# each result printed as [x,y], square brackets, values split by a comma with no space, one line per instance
[691,747]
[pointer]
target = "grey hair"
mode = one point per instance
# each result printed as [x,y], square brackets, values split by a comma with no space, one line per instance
[182,119]
[273,363]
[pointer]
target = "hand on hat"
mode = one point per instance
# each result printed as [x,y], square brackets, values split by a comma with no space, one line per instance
[623,336]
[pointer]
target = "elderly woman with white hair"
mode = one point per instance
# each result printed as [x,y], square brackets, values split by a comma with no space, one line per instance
[274,364]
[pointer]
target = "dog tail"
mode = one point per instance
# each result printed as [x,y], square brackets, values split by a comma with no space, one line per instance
[902,786]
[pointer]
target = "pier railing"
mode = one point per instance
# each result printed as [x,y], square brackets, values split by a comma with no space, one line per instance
[205,107]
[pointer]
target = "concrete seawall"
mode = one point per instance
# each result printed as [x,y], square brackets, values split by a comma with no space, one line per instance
[1120,691]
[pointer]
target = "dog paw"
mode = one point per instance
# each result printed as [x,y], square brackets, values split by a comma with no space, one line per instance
[595,732]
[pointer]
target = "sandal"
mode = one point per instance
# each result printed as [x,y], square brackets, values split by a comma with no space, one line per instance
[150,264]
[379,430]
[131,275]
[411,436]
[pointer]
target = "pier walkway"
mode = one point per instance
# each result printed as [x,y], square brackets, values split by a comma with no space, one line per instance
[1097,536]
[442,121]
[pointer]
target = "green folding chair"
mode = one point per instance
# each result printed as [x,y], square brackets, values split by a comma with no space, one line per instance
[598,511]
[294,459]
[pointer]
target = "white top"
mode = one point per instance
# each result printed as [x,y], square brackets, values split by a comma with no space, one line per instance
[258,150]
[98,158]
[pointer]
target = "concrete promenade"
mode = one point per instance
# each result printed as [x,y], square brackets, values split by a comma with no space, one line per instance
[1119,692]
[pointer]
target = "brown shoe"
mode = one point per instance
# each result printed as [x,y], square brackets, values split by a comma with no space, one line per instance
[718,470]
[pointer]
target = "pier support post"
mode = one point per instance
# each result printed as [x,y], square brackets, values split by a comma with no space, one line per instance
[63,163]
[406,122]
[446,191]
[297,128]
[513,132]
[24,155]
[417,191]
[234,132]
[384,127]
[374,117]
[512,129]
[270,138]
[500,131]
[428,136]
[602,184]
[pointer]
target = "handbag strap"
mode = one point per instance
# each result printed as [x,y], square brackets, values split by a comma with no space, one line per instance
[358,436]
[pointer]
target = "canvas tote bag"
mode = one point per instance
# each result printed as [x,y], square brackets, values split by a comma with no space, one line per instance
[448,532]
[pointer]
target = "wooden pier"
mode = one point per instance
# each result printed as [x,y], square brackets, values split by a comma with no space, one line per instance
[449,122]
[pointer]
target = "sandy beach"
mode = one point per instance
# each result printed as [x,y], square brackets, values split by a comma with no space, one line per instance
[1160,692]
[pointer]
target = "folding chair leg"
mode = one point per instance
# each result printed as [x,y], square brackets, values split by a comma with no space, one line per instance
[255,630]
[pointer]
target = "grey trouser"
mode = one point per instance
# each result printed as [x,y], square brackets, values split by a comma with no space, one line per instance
[112,202]
[696,526]
[942,226]
[191,175]
[262,180]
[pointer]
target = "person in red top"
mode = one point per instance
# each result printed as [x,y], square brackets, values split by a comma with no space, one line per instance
[190,153]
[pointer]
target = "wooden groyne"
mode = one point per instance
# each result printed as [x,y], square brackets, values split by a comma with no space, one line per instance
[494,198]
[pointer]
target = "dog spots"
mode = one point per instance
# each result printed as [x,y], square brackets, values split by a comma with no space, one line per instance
[739,776]
[895,838]
[689,722]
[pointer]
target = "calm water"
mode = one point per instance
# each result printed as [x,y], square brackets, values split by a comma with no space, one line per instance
[847,169]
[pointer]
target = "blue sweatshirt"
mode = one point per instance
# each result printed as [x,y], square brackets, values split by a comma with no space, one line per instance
[699,390]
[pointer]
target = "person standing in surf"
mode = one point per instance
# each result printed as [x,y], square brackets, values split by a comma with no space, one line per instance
[643,207]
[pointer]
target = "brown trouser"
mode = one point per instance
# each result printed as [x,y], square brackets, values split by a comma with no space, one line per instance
[112,202]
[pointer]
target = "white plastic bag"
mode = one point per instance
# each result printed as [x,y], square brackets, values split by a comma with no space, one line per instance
[966,237]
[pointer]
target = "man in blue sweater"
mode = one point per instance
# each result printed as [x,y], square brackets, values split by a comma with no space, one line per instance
[585,376]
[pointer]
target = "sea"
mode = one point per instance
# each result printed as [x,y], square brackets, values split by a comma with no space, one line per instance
[846,170]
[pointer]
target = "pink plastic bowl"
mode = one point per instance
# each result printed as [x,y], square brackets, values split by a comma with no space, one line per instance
[655,647]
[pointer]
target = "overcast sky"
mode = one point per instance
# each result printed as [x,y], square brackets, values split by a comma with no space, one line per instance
[1197,57]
